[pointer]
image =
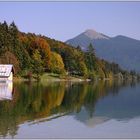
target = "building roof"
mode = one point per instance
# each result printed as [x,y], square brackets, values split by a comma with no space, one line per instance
[5,70]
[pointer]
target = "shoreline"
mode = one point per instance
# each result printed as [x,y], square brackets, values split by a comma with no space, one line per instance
[50,78]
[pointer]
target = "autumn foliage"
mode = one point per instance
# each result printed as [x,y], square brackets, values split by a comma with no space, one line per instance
[31,53]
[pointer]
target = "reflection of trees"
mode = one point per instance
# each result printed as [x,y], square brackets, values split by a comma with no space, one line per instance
[7,119]
[29,102]
[74,97]
[36,101]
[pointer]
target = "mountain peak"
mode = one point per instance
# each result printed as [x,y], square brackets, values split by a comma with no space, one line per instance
[92,34]
[90,31]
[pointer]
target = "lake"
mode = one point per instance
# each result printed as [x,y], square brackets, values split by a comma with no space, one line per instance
[70,110]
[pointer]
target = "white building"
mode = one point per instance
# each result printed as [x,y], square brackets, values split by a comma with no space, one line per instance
[6,72]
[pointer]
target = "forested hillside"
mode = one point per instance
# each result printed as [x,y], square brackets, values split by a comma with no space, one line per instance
[122,50]
[30,53]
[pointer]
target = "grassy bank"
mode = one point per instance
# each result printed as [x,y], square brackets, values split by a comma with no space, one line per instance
[48,77]
[51,77]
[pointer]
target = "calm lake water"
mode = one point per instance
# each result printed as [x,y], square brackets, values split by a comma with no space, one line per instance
[70,110]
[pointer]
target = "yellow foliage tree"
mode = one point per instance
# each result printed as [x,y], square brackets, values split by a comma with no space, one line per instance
[56,63]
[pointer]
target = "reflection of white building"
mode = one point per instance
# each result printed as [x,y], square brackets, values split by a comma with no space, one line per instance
[6,89]
[6,72]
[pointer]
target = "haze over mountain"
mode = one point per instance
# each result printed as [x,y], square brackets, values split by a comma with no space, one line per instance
[119,49]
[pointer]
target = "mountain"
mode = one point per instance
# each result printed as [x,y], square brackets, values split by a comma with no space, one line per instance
[119,49]
[37,54]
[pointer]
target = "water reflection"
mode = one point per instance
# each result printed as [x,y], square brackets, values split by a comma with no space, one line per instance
[89,103]
[6,90]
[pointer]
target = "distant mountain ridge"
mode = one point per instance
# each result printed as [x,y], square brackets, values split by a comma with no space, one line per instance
[92,34]
[119,49]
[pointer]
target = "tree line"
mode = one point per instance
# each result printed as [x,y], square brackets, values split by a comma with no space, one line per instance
[36,54]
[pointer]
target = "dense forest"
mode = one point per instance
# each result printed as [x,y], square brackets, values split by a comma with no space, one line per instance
[36,54]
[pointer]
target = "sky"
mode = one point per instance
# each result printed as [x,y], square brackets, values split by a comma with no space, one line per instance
[65,20]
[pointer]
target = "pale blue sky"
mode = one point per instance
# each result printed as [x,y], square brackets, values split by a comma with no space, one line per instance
[64,20]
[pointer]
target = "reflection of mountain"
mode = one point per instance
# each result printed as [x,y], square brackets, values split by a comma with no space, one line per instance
[91,121]
[120,107]
[6,89]
[95,121]
[124,106]
[90,103]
